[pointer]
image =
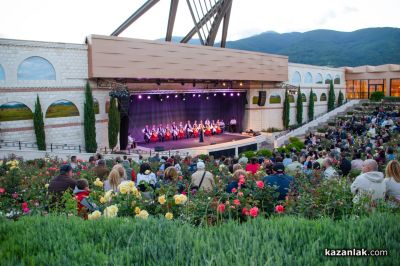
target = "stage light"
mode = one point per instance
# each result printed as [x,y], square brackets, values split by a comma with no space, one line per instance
[199,95]
[224,94]
[194,95]
[167,96]
[223,84]
[148,97]
[241,84]
[140,96]
[207,97]
[231,94]
[184,99]
[176,95]
[238,94]
[215,94]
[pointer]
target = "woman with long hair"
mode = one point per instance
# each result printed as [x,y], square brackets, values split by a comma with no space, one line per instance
[113,181]
[392,179]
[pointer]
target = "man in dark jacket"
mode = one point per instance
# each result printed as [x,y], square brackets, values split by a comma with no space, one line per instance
[344,165]
[279,179]
[59,184]
[101,170]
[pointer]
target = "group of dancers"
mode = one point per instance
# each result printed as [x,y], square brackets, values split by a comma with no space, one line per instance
[175,132]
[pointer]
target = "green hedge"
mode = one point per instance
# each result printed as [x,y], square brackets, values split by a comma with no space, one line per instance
[119,241]
[391,99]
[377,96]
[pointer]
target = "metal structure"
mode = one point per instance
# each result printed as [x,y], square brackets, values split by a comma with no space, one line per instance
[207,17]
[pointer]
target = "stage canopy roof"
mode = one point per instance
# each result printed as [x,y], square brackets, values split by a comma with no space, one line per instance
[126,58]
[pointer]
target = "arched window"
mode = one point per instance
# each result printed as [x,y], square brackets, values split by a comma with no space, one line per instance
[323,97]
[13,111]
[318,79]
[96,106]
[275,99]
[36,68]
[304,97]
[308,78]
[62,108]
[2,74]
[328,79]
[291,98]
[296,78]
[315,97]
[337,79]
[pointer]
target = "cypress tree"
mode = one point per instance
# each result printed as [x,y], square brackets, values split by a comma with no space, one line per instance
[311,106]
[299,107]
[39,126]
[286,111]
[331,97]
[114,120]
[340,99]
[89,121]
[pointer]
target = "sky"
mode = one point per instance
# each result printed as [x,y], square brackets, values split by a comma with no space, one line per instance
[71,21]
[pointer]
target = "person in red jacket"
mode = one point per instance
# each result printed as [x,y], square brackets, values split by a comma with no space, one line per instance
[82,193]
[253,166]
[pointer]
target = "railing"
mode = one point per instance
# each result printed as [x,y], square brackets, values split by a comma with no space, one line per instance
[20,145]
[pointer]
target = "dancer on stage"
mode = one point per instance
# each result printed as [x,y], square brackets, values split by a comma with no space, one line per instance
[195,130]
[218,129]
[188,129]
[168,134]
[174,131]
[207,131]
[181,132]
[201,131]
[222,125]
[147,134]
[161,133]
[154,135]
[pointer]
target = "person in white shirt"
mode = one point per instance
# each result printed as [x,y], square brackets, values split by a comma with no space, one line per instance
[232,124]
[370,182]
[145,177]
[330,172]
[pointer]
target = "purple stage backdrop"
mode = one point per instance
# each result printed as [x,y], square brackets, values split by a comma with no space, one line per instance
[153,112]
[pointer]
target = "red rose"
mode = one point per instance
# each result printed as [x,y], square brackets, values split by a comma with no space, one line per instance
[234,190]
[236,202]
[279,209]
[84,167]
[78,173]
[183,193]
[245,212]
[2,190]
[24,205]
[221,208]
[260,184]
[254,212]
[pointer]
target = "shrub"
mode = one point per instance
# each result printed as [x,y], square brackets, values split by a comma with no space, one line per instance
[39,126]
[340,99]
[299,107]
[249,154]
[391,99]
[89,121]
[377,96]
[286,111]
[311,106]
[331,97]
[114,121]
[265,153]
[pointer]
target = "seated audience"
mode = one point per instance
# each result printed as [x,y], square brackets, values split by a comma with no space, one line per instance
[202,179]
[82,193]
[392,179]
[279,179]
[113,181]
[101,170]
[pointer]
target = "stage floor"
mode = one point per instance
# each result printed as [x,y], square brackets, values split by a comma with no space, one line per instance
[193,142]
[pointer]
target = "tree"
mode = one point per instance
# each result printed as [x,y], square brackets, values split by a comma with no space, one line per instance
[286,111]
[340,99]
[114,120]
[299,107]
[331,97]
[311,106]
[39,126]
[89,121]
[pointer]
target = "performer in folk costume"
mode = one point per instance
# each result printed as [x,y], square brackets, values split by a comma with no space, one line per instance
[168,134]
[147,134]
[207,131]
[188,129]
[207,122]
[195,130]
[174,131]
[213,128]
[154,135]
[201,131]
[161,133]
[218,130]
[222,125]
[181,132]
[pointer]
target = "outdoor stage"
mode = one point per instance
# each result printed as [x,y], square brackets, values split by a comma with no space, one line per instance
[192,142]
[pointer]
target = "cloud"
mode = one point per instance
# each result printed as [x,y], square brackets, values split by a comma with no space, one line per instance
[350,9]
[326,17]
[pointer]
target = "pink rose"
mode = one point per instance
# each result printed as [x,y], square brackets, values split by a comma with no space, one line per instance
[245,212]
[254,212]
[279,209]
[236,202]
[241,180]
[2,190]
[240,194]
[260,184]
[26,210]
[15,195]
[221,208]
[234,190]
